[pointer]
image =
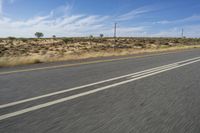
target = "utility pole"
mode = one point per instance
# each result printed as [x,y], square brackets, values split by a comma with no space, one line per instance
[115,36]
[182,33]
[115,30]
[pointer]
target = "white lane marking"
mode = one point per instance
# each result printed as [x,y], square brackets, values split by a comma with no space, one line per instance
[84,86]
[92,84]
[20,112]
[155,70]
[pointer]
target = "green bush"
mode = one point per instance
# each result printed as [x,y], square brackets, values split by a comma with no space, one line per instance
[39,34]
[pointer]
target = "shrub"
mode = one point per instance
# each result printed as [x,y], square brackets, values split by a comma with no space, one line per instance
[139,44]
[23,39]
[66,40]
[11,38]
[176,41]
[152,41]
[101,35]
[39,34]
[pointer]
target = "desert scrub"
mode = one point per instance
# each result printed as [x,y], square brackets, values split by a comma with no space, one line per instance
[139,45]
[11,38]
[64,48]
[24,40]
[67,40]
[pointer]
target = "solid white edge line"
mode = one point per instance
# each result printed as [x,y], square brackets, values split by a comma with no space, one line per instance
[9,115]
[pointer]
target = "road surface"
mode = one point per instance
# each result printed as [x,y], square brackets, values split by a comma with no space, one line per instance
[157,93]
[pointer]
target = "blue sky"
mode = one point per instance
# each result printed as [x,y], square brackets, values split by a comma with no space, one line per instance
[149,18]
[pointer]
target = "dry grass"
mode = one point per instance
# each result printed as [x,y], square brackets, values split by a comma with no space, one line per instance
[33,59]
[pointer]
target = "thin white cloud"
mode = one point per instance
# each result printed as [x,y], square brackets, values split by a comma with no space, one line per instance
[135,13]
[172,32]
[189,31]
[58,22]
[192,30]
[61,26]
[30,22]
[61,22]
[75,25]
[132,31]
[188,19]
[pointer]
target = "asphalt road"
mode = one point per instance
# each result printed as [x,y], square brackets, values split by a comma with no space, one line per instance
[151,94]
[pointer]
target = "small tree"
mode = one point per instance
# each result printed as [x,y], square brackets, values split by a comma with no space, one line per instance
[54,36]
[101,35]
[91,38]
[39,34]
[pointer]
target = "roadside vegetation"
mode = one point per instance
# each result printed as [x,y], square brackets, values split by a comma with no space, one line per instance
[19,51]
